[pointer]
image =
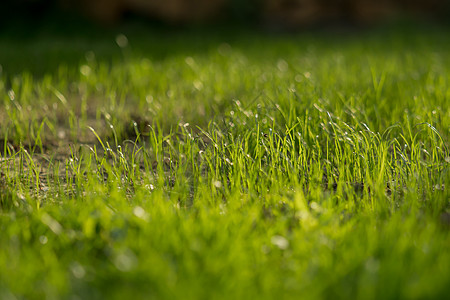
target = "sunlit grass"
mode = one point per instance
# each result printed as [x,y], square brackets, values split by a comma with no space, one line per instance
[242,165]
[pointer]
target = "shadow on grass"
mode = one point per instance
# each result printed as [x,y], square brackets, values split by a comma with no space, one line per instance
[41,46]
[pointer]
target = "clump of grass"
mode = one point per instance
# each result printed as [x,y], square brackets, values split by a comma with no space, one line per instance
[249,167]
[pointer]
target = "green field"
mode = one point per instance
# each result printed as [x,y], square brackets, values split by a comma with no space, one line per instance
[222,164]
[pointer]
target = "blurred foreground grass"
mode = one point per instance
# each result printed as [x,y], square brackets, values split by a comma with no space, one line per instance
[197,165]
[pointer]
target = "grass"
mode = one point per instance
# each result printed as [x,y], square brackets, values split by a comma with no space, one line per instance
[159,164]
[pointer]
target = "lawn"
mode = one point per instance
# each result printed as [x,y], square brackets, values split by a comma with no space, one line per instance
[147,163]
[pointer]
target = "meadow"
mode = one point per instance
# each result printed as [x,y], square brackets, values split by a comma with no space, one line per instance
[149,163]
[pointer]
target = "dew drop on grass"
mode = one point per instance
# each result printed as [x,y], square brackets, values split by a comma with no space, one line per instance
[78,270]
[198,85]
[85,70]
[122,40]
[140,213]
[189,61]
[43,239]
[282,65]
[315,206]
[280,242]
[125,261]
[61,134]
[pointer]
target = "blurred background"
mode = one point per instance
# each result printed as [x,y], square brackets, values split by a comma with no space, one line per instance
[284,14]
